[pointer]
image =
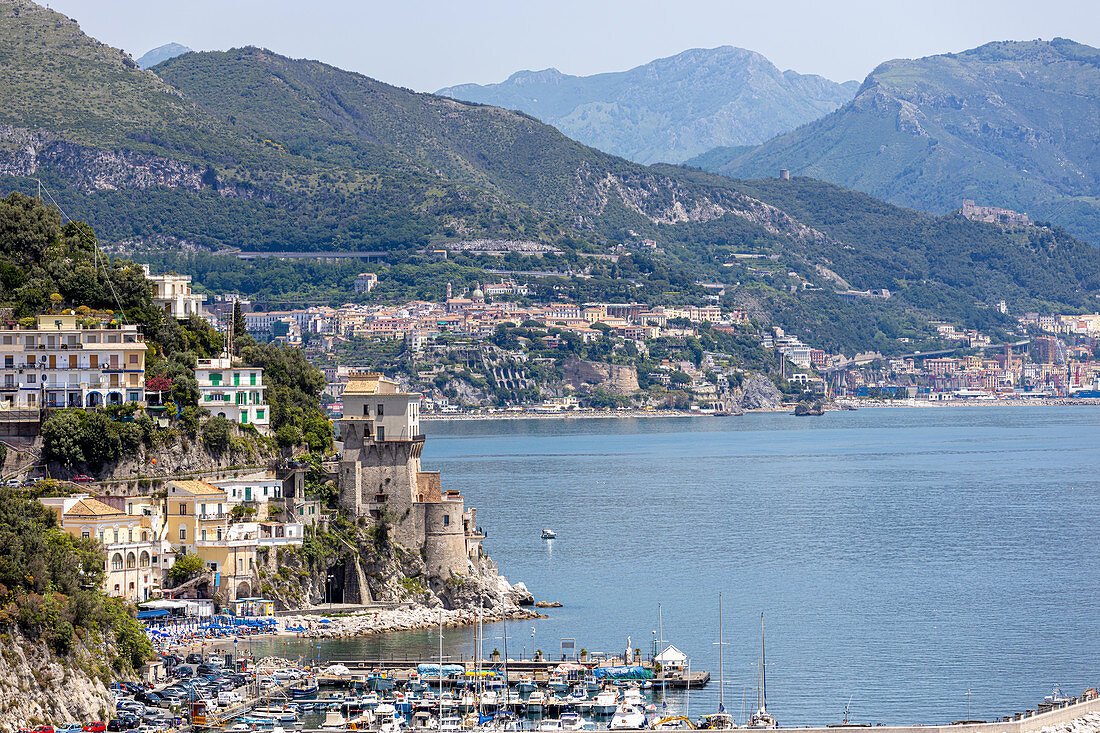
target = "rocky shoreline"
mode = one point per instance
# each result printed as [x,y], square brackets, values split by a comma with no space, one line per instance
[406,618]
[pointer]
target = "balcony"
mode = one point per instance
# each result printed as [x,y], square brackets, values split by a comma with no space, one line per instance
[211,516]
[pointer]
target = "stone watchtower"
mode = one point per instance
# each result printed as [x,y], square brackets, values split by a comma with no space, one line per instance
[380,474]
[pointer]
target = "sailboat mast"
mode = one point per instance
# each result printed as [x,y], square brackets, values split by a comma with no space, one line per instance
[721,662]
[763,673]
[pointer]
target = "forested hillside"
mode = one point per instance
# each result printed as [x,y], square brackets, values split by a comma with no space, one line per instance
[253,150]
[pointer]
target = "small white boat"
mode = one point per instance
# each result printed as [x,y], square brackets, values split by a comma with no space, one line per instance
[333,720]
[628,717]
[549,534]
[605,703]
[536,701]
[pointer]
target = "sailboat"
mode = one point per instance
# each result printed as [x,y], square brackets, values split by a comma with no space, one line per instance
[761,718]
[720,720]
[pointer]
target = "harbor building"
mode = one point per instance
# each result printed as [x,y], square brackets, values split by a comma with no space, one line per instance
[380,477]
[69,361]
[232,391]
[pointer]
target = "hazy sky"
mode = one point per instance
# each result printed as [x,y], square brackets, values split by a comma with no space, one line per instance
[428,44]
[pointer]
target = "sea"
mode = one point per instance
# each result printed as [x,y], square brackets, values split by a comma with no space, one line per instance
[909,565]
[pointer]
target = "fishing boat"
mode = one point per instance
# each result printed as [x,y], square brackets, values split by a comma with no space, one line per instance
[558,683]
[526,684]
[306,689]
[761,718]
[379,682]
[549,534]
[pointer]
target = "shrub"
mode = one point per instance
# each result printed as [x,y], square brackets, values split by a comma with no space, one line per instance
[217,434]
[186,567]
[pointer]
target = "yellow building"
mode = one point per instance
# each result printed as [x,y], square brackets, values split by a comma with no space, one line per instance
[197,517]
[132,561]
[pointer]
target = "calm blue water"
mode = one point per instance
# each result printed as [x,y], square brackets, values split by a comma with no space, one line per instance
[901,556]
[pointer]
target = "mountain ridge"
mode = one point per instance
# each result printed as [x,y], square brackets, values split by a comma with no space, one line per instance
[162,53]
[1011,124]
[670,108]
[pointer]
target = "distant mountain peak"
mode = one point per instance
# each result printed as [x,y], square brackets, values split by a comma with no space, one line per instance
[669,109]
[161,54]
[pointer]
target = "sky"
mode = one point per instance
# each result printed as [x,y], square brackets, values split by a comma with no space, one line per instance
[428,44]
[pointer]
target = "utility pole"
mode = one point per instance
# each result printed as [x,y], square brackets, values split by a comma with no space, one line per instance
[968,704]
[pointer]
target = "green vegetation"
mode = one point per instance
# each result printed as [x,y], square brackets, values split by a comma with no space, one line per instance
[186,566]
[315,158]
[93,438]
[1010,124]
[216,434]
[51,585]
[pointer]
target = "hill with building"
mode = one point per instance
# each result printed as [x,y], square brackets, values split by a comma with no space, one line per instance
[1009,124]
[670,109]
[250,150]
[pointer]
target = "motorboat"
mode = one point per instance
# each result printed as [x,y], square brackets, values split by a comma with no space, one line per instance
[628,716]
[489,700]
[306,689]
[334,720]
[558,683]
[571,721]
[536,701]
[526,684]
[549,534]
[450,724]
[606,701]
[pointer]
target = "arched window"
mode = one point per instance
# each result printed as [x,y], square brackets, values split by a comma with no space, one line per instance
[116,563]
[131,560]
[144,559]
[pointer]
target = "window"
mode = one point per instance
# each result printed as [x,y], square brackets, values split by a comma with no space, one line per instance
[252,379]
[236,379]
[381,433]
[259,414]
[133,358]
[183,509]
[204,535]
[183,532]
[381,410]
[84,534]
[116,561]
[219,534]
[446,519]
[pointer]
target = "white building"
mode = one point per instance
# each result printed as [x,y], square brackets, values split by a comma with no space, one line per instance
[365,282]
[255,490]
[71,361]
[173,294]
[233,392]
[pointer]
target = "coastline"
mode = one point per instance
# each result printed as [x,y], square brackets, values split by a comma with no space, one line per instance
[833,407]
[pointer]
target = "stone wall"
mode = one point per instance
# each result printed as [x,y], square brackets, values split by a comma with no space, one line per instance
[444,539]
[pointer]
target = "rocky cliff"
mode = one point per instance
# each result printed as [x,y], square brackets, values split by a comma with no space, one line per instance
[39,687]
[617,378]
[758,393]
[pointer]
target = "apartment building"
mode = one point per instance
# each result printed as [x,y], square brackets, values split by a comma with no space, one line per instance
[197,516]
[172,294]
[130,543]
[71,361]
[233,392]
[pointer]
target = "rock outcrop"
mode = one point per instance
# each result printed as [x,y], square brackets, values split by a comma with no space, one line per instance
[758,392]
[39,687]
[612,377]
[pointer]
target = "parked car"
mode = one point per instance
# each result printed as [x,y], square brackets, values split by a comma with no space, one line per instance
[83,478]
[194,659]
[14,483]
[44,729]
[96,726]
[148,698]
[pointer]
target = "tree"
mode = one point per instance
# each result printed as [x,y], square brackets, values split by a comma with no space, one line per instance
[240,328]
[216,434]
[61,438]
[186,567]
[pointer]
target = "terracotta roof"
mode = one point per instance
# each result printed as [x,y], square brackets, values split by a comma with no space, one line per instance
[92,508]
[199,488]
[370,383]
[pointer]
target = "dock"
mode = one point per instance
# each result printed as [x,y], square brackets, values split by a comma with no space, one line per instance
[539,671]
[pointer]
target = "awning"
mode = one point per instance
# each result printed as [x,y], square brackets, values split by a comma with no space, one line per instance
[152,613]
